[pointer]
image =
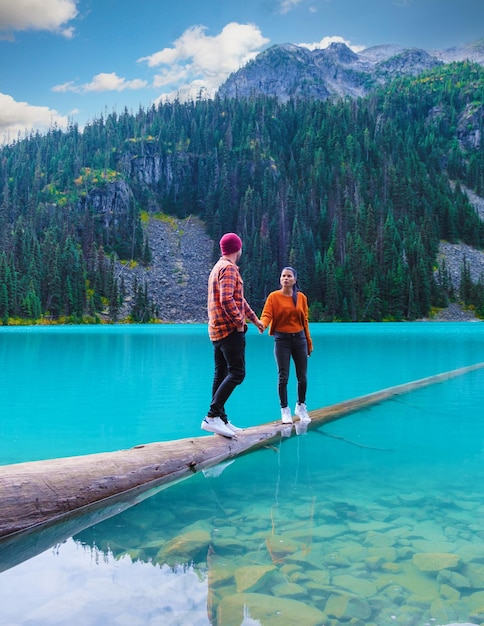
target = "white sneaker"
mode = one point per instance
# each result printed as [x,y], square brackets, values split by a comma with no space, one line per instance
[216,425]
[234,429]
[286,416]
[302,412]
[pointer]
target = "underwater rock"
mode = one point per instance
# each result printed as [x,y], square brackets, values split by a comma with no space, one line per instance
[379,539]
[374,562]
[359,586]
[444,611]
[269,610]
[322,532]
[428,530]
[475,573]
[221,570]
[318,577]
[417,498]
[315,557]
[252,577]
[279,547]
[454,579]
[224,542]
[449,593]
[184,548]
[366,527]
[346,606]
[412,581]
[435,561]
[290,590]
[476,600]
[422,545]
[471,552]
[385,552]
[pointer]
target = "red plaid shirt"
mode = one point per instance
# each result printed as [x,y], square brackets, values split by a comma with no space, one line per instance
[227,307]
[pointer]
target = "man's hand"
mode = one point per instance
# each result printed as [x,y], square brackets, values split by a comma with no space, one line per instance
[260,326]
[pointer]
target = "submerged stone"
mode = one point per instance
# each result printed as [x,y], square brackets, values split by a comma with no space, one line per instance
[314,556]
[346,606]
[365,527]
[290,590]
[412,580]
[454,579]
[435,561]
[475,573]
[185,547]
[327,531]
[449,593]
[361,587]
[446,611]
[319,577]
[280,546]
[379,539]
[423,545]
[416,498]
[250,578]
[269,610]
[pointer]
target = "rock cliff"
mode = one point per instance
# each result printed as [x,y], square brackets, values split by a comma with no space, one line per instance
[182,257]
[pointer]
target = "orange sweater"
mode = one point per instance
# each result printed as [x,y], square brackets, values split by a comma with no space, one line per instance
[282,316]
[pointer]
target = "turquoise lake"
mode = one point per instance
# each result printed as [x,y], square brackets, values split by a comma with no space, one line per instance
[374,519]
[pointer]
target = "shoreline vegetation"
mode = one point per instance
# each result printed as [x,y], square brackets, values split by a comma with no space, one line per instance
[182,255]
[455,312]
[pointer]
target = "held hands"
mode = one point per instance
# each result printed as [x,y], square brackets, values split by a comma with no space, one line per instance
[260,326]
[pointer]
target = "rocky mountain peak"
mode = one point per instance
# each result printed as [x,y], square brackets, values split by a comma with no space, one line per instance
[290,71]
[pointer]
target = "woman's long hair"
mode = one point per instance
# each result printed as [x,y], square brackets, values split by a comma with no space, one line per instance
[295,287]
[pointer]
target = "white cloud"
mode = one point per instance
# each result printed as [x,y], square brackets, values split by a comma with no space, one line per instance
[102,82]
[327,41]
[51,15]
[198,62]
[288,5]
[20,117]
[75,584]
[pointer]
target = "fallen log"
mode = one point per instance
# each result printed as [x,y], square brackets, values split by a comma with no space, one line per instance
[71,492]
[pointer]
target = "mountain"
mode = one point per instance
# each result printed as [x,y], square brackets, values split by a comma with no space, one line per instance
[120,221]
[288,71]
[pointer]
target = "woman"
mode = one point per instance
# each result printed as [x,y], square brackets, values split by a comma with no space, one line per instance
[286,312]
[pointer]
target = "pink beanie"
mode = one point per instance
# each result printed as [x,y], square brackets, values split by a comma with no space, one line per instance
[230,243]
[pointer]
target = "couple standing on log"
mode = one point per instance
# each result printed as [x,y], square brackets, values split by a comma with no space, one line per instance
[285,311]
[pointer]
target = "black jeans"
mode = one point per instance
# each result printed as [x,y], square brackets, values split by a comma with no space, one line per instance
[287,345]
[229,356]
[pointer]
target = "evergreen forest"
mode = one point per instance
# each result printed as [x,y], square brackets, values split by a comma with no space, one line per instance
[356,194]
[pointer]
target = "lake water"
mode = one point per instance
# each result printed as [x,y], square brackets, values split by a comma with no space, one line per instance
[374,519]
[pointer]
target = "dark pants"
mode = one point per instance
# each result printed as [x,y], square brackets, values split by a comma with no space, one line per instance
[229,356]
[287,345]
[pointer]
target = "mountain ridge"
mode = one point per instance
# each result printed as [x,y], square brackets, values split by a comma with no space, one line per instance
[288,71]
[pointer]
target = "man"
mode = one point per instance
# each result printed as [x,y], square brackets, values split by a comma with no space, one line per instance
[228,311]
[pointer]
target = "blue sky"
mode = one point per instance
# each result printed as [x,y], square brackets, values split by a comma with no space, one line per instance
[75,60]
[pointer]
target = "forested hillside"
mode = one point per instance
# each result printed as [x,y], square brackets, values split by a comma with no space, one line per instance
[356,194]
